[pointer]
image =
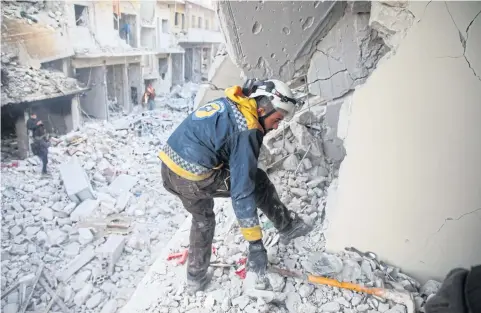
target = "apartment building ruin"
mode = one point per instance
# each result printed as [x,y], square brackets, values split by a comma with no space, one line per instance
[95,57]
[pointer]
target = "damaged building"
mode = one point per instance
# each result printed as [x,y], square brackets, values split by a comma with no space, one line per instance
[110,50]
[401,82]
[381,157]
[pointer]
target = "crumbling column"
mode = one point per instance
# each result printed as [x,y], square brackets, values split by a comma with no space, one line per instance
[127,102]
[22,135]
[75,116]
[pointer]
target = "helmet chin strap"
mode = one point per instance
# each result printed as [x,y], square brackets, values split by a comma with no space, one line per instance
[262,119]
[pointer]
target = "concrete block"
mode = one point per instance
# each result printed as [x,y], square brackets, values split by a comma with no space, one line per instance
[84,209]
[122,201]
[76,181]
[111,250]
[86,256]
[123,183]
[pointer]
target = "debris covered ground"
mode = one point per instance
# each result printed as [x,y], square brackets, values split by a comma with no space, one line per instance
[303,170]
[102,218]
[126,225]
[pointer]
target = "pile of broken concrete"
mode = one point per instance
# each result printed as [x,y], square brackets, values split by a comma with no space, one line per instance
[96,223]
[21,83]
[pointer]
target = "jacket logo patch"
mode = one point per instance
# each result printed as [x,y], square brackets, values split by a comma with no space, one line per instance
[208,110]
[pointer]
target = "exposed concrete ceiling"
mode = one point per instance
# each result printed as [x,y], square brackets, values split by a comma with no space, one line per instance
[275,39]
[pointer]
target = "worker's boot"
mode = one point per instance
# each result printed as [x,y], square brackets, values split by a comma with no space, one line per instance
[296,228]
[199,284]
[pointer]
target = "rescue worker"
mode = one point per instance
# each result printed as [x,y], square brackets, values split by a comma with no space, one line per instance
[149,97]
[214,153]
[40,140]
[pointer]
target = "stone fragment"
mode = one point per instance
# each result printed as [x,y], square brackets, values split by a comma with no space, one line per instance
[72,249]
[356,299]
[86,256]
[83,294]
[84,210]
[85,236]
[95,300]
[15,230]
[46,214]
[111,250]
[123,183]
[290,163]
[306,290]
[109,307]
[293,301]
[306,141]
[331,307]
[430,287]
[351,271]
[362,307]
[56,237]
[122,201]
[277,282]
[241,302]
[76,182]
[325,264]
[383,307]
[367,269]
[10,308]
[299,192]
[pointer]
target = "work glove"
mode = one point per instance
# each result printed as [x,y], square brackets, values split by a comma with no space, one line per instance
[450,296]
[257,259]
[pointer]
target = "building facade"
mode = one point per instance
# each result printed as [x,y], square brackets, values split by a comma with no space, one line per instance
[111,50]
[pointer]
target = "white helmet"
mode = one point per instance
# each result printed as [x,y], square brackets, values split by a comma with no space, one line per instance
[278,92]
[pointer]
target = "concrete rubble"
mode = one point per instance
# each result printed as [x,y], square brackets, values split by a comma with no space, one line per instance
[21,82]
[113,240]
[47,12]
[97,222]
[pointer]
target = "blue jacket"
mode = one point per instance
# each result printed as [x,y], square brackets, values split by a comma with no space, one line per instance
[224,132]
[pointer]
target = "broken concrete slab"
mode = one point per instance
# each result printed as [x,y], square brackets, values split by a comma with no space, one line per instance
[84,209]
[111,251]
[123,183]
[76,264]
[76,182]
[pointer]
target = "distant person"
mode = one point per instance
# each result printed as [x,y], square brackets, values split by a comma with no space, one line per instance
[40,140]
[149,97]
[125,30]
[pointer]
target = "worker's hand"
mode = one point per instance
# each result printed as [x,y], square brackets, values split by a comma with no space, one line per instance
[39,123]
[450,296]
[257,259]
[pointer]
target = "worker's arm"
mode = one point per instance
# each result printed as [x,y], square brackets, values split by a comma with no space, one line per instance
[244,152]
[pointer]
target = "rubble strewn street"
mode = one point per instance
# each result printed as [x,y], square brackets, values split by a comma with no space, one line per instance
[97,222]
[83,238]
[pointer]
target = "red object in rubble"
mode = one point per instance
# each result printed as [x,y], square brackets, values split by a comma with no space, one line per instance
[241,271]
[181,255]
[13,164]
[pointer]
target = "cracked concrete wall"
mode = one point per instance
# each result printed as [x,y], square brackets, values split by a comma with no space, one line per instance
[408,187]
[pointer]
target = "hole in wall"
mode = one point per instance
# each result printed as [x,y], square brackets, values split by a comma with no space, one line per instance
[286,30]
[308,23]
[256,28]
